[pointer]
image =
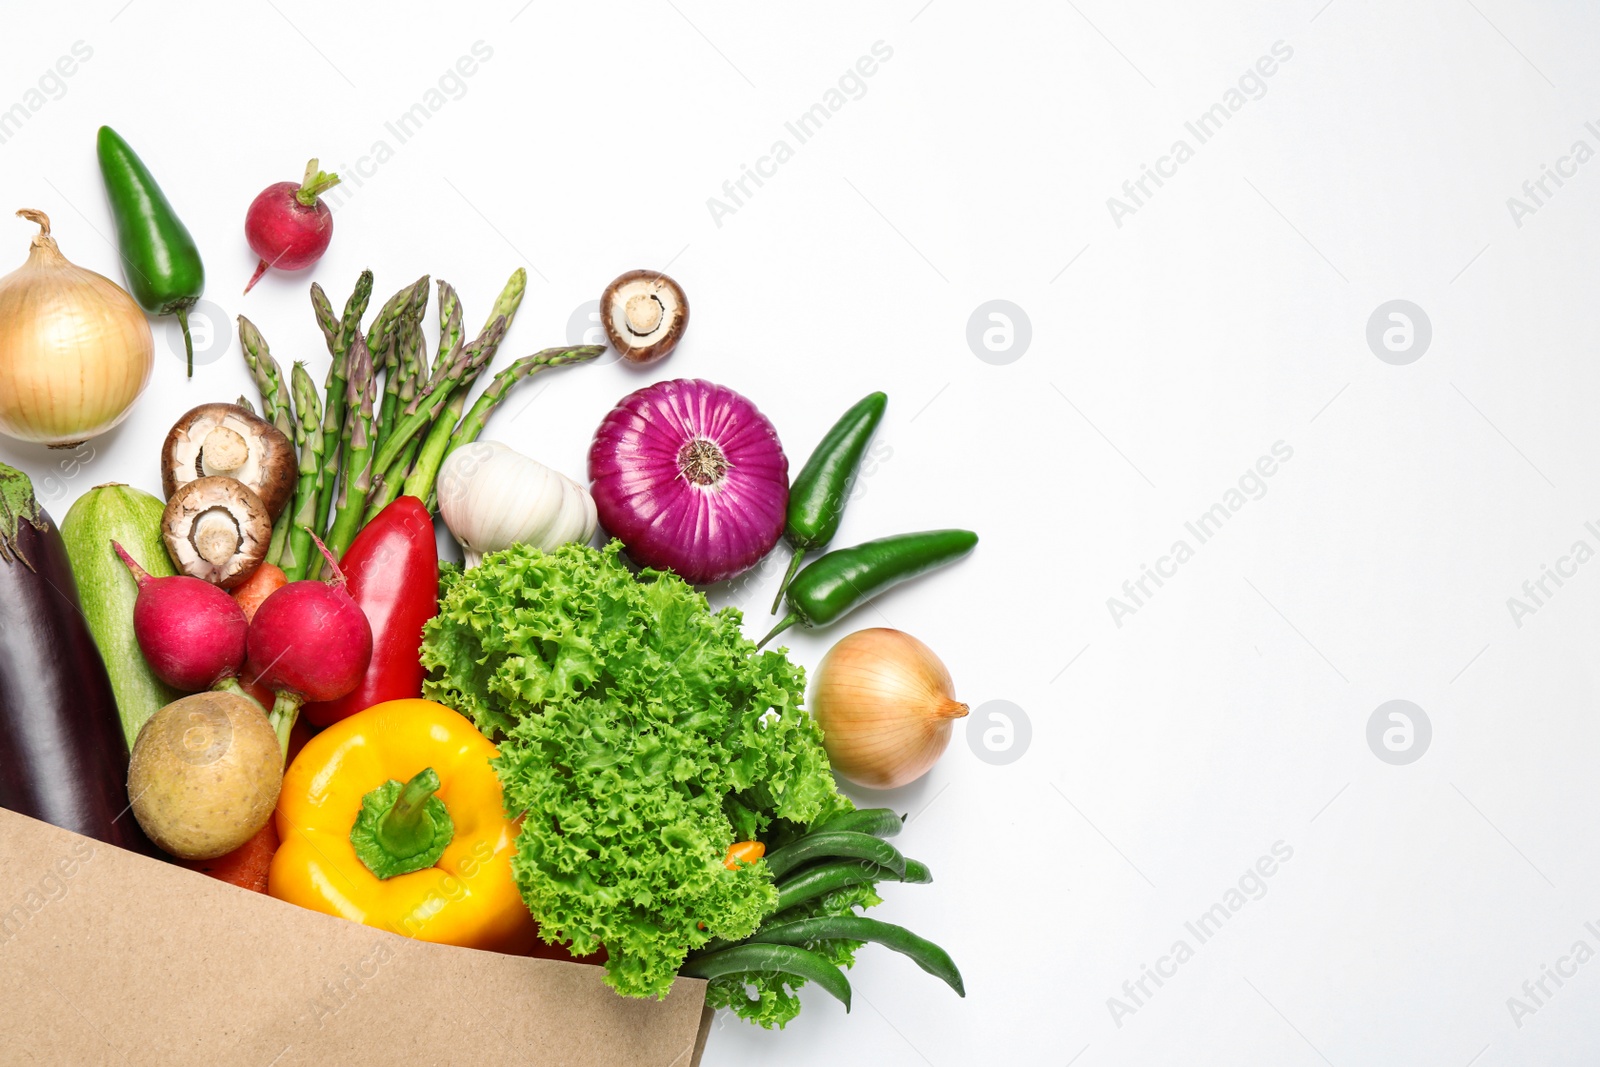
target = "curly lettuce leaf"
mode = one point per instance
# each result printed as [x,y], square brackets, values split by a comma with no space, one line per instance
[640,735]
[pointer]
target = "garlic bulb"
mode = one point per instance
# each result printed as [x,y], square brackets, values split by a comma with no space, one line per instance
[492,498]
[886,705]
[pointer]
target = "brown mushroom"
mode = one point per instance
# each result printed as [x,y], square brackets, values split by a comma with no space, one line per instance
[645,314]
[233,442]
[216,529]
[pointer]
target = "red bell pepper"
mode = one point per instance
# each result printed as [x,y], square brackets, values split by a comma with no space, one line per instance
[392,570]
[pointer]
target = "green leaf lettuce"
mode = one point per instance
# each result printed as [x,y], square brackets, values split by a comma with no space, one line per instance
[640,735]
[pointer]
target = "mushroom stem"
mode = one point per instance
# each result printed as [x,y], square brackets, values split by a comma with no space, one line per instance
[223,452]
[644,313]
[216,536]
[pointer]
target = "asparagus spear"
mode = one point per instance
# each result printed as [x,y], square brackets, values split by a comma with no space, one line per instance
[327,321]
[388,488]
[510,298]
[275,404]
[308,406]
[432,400]
[385,339]
[384,329]
[472,425]
[451,332]
[361,393]
[413,368]
[244,402]
[421,482]
[437,443]
[333,409]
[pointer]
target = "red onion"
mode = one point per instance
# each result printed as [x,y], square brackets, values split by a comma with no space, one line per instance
[691,478]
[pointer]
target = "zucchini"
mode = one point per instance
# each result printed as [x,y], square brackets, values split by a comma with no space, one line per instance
[131,517]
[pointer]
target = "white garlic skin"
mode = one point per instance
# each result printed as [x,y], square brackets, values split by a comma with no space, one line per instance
[492,497]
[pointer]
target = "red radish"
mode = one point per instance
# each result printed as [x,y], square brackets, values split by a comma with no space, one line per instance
[288,226]
[191,633]
[309,641]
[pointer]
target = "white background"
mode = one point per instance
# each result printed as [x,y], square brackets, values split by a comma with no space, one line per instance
[1167,354]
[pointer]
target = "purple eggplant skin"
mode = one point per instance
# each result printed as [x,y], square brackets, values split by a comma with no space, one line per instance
[63,755]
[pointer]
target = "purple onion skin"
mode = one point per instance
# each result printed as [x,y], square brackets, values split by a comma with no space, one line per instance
[705,512]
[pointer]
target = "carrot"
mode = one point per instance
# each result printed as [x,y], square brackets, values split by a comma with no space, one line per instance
[266,580]
[246,866]
[743,853]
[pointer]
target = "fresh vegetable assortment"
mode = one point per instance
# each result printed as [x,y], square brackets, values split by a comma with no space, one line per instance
[602,767]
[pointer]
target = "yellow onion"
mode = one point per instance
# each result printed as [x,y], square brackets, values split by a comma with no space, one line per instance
[75,350]
[885,704]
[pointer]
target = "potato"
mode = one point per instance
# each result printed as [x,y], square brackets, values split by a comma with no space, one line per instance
[205,774]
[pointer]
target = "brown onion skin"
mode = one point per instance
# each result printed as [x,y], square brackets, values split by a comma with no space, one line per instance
[66,373]
[886,707]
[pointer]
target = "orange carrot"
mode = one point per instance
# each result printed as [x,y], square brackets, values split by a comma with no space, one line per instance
[246,866]
[743,853]
[266,580]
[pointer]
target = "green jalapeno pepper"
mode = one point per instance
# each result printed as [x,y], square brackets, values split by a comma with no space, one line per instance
[822,488]
[849,577]
[159,257]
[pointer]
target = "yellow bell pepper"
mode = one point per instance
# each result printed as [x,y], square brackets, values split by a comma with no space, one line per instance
[394,818]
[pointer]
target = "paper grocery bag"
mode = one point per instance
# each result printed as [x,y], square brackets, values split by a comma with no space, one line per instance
[111,958]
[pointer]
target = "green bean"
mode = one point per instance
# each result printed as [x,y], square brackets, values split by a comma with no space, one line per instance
[785,959]
[879,822]
[820,881]
[835,843]
[924,953]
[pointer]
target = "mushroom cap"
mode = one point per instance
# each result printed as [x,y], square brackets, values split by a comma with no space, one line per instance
[644,313]
[233,442]
[216,529]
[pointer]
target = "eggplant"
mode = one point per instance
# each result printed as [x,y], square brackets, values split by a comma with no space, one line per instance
[63,756]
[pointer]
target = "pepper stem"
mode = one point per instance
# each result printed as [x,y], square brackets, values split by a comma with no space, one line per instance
[792,618]
[406,829]
[788,576]
[402,828]
[188,342]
